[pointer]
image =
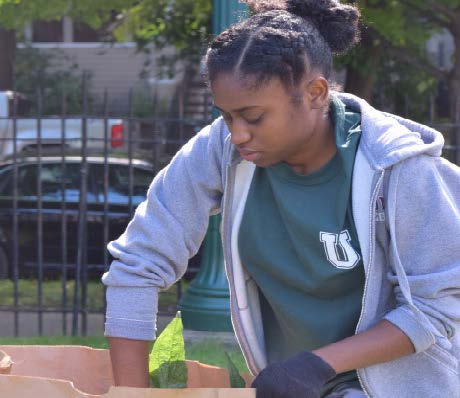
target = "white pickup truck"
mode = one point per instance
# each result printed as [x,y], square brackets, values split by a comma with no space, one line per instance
[54,131]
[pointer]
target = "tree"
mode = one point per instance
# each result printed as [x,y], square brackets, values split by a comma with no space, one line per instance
[398,30]
[386,26]
[14,14]
[184,24]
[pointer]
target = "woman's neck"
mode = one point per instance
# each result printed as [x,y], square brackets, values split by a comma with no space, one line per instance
[320,150]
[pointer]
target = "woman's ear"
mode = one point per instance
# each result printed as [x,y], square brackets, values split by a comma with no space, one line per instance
[318,92]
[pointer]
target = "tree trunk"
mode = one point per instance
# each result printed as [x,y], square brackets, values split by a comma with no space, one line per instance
[7,50]
[360,80]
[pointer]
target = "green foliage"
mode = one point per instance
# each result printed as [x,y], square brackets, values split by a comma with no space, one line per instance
[405,89]
[51,75]
[400,29]
[165,22]
[143,100]
[236,381]
[394,21]
[211,351]
[390,23]
[388,19]
[184,24]
[15,13]
[52,293]
[167,366]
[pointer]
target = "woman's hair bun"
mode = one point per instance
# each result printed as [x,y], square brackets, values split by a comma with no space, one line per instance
[338,23]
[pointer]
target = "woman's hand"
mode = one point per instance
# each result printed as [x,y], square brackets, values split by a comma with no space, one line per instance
[303,375]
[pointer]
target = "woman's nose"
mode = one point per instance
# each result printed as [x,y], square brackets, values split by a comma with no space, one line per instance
[239,133]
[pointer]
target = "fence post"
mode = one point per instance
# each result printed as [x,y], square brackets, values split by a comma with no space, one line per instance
[80,266]
[40,212]
[63,213]
[15,259]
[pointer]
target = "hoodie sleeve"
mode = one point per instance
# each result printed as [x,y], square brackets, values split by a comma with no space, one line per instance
[425,250]
[166,230]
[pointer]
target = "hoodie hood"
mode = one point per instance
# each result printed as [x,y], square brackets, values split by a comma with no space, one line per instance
[388,139]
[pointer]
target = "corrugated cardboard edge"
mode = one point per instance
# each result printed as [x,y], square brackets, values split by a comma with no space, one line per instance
[200,375]
[12,386]
[35,374]
[78,364]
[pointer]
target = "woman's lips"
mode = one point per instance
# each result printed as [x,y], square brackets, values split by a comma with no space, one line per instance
[250,156]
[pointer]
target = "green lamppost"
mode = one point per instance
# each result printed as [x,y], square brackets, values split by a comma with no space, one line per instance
[206,305]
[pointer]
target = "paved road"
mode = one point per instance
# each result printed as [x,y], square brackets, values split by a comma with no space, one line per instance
[52,326]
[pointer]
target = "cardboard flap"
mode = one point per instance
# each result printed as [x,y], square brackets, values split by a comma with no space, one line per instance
[32,387]
[126,392]
[89,369]
[12,386]
[83,372]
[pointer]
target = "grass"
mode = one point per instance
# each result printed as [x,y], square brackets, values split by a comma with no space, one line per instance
[53,292]
[209,351]
[213,351]
[92,341]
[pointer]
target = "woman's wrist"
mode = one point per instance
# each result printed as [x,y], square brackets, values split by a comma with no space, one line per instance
[382,343]
[129,362]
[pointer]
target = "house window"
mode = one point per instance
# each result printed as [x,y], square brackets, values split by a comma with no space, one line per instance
[67,30]
[47,31]
[83,33]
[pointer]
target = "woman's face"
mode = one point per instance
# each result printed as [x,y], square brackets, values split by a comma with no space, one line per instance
[267,125]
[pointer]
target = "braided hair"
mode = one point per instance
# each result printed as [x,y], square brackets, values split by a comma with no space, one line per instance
[285,39]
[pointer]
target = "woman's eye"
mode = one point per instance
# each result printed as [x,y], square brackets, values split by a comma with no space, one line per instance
[255,121]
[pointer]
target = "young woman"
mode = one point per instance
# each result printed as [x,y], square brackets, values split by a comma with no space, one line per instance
[340,223]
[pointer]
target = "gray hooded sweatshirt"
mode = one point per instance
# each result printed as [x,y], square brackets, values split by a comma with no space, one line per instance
[405,201]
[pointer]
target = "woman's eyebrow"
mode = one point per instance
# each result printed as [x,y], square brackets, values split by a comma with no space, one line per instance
[239,110]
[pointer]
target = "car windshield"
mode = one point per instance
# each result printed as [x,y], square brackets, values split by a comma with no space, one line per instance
[118,190]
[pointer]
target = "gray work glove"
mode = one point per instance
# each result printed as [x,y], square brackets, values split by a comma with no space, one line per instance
[301,376]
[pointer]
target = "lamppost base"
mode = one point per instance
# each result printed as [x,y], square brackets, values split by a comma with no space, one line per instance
[206,309]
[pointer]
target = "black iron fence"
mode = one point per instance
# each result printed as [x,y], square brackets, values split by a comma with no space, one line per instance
[69,185]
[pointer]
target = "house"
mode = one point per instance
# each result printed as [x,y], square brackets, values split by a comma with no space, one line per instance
[115,67]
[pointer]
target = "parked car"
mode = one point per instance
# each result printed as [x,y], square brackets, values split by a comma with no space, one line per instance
[54,131]
[60,196]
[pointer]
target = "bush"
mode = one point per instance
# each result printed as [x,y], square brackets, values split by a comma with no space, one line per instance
[51,75]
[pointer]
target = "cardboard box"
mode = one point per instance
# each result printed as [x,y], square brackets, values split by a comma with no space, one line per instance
[83,372]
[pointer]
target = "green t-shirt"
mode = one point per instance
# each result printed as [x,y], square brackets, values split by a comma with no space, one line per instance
[298,241]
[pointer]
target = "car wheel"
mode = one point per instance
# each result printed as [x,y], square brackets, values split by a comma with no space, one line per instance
[4,264]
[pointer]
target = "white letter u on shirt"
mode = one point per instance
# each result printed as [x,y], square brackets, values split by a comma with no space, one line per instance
[339,251]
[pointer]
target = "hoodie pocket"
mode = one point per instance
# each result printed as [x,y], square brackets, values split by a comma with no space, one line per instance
[429,374]
[442,357]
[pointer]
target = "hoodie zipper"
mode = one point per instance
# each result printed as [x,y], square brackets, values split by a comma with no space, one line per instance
[371,259]
[240,336]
